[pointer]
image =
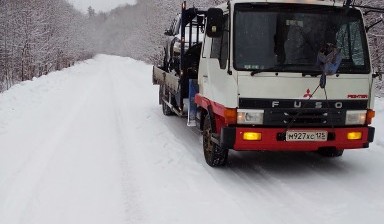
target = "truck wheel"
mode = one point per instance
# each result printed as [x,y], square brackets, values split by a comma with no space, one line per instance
[214,154]
[330,152]
[166,109]
[160,94]
[165,61]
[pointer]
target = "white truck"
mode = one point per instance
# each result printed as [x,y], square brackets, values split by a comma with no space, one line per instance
[272,75]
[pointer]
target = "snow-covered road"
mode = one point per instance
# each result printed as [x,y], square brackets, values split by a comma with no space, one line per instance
[89,145]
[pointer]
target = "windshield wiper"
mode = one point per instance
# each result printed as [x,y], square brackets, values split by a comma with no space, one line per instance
[277,68]
[271,69]
[259,71]
[289,68]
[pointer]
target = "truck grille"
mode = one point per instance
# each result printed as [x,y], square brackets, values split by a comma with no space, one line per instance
[304,117]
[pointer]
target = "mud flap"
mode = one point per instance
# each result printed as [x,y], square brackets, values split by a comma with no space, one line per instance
[192,107]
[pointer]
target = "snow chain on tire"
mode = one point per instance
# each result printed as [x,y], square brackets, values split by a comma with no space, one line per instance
[166,109]
[214,155]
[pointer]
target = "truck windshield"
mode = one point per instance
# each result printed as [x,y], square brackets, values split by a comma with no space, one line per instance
[287,38]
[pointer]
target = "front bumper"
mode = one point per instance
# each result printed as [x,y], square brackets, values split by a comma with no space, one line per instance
[273,140]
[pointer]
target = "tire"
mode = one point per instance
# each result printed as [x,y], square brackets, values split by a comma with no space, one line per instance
[165,64]
[166,109]
[166,61]
[160,94]
[330,152]
[214,155]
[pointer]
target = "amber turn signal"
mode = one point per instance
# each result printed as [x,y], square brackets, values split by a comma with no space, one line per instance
[230,116]
[354,136]
[370,115]
[252,136]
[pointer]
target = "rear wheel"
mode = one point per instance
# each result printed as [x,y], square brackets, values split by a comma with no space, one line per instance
[160,94]
[165,61]
[213,153]
[330,152]
[164,94]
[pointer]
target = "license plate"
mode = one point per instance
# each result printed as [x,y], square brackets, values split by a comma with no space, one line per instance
[306,136]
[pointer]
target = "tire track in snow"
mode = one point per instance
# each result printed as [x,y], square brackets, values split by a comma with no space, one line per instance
[130,192]
[25,183]
[157,169]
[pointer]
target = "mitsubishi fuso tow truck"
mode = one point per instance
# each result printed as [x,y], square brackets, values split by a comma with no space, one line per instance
[270,75]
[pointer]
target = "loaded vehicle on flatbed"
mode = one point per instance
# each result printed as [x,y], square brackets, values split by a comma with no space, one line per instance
[271,75]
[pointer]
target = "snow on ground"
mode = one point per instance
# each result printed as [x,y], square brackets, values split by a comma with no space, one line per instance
[89,144]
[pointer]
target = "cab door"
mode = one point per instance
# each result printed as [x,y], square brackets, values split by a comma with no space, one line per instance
[213,63]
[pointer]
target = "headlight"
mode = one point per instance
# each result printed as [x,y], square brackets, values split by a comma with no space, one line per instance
[250,116]
[356,117]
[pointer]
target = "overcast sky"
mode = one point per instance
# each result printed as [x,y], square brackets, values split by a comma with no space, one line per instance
[99,5]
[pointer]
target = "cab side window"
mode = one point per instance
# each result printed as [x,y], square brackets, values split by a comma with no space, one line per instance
[219,48]
[175,27]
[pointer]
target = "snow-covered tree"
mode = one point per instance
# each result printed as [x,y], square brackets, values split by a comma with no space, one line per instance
[376,37]
[38,36]
[91,12]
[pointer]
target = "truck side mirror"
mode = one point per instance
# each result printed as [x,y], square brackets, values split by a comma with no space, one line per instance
[168,33]
[215,22]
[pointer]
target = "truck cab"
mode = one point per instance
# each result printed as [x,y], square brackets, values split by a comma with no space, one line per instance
[283,76]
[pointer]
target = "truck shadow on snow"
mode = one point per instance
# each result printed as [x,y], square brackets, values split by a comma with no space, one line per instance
[288,174]
[291,164]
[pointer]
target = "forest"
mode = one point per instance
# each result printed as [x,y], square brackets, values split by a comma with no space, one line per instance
[40,36]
